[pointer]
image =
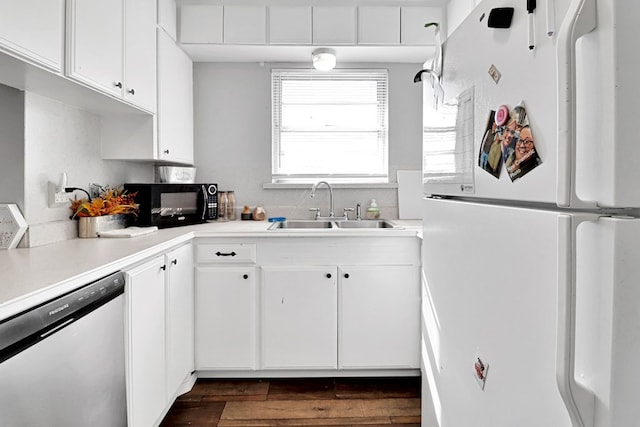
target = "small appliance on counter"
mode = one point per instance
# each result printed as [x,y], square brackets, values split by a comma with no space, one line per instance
[171,205]
[175,175]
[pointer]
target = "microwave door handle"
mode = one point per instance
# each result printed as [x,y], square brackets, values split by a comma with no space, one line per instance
[204,202]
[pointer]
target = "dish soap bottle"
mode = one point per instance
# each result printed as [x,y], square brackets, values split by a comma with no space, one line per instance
[373,211]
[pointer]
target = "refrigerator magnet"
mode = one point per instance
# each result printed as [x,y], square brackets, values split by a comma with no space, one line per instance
[502,115]
[480,371]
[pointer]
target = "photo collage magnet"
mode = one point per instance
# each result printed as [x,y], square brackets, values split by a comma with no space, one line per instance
[508,139]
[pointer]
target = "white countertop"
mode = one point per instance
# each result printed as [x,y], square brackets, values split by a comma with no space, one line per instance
[31,276]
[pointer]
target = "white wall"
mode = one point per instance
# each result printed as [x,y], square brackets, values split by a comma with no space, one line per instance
[61,138]
[232,104]
[11,146]
[457,11]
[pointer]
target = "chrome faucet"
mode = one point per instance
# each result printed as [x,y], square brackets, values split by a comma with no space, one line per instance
[313,194]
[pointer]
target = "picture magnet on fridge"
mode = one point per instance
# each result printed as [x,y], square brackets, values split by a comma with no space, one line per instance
[518,147]
[490,157]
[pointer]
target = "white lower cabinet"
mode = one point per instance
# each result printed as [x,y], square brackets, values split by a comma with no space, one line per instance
[378,308]
[225,318]
[319,306]
[159,333]
[179,317]
[299,317]
[146,364]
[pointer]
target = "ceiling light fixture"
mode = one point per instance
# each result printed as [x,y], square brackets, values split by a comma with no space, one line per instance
[324,59]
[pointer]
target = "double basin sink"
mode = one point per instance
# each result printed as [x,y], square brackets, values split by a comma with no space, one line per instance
[337,224]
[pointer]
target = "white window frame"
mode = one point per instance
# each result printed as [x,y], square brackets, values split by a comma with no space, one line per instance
[381,175]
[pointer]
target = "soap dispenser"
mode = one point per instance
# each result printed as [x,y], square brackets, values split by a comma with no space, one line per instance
[373,211]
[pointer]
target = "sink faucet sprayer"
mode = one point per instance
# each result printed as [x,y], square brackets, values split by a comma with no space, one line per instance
[313,194]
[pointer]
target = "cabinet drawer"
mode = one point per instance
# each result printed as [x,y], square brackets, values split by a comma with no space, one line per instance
[226,253]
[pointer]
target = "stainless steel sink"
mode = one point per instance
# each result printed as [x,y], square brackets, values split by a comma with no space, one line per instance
[368,223]
[311,224]
[320,224]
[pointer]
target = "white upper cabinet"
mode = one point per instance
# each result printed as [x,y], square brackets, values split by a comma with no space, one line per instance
[201,23]
[299,25]
[168,17]
[334,25]
[245,24]
[379,25]
[290,25]
[140,54]
[34,30]
[175,102]
[413,19]
[100,35]
[95,43]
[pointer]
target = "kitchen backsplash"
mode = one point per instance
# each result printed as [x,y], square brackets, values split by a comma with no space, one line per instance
[61,138]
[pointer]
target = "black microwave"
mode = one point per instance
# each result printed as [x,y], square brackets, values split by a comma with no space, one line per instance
[172,205]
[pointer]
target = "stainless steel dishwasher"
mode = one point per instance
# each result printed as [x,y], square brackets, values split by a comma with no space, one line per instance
[62,363]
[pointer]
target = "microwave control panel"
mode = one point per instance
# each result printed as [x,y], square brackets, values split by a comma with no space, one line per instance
[211,191]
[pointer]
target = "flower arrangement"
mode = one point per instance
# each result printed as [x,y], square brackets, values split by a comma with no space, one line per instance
[112,201]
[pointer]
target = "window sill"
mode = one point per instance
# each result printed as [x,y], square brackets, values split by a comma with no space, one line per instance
[286,186]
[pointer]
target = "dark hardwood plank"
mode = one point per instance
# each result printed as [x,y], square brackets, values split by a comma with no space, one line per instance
[297,389]
[319,409]
[227,390]
[187,413]
[377,388]
[303,422]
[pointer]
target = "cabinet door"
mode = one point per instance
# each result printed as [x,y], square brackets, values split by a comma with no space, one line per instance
[179,314]
[95,43]
[34,29]
[299,317]
[379,317]
[146,385]
[225,318]
[290,25]
[413,19]
[379,25]
[140,54]
[168,17]
[175,102]
[334,25]
[201,23]
[245,24]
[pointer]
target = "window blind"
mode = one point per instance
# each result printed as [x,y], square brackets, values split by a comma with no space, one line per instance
[330,125]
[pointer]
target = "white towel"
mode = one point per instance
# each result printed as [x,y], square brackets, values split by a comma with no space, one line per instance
[128,232]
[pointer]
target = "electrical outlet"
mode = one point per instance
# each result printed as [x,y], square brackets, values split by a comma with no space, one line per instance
[95,190]
[57,199]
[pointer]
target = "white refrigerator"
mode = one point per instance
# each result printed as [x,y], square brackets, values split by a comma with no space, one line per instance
[531,250]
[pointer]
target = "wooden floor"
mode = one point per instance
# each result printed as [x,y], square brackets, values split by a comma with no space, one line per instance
[299,402]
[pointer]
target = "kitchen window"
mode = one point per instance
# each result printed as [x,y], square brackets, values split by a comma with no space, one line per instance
[330,125]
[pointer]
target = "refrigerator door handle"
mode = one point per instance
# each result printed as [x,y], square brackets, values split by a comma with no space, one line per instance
[580,402]
[580,20]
